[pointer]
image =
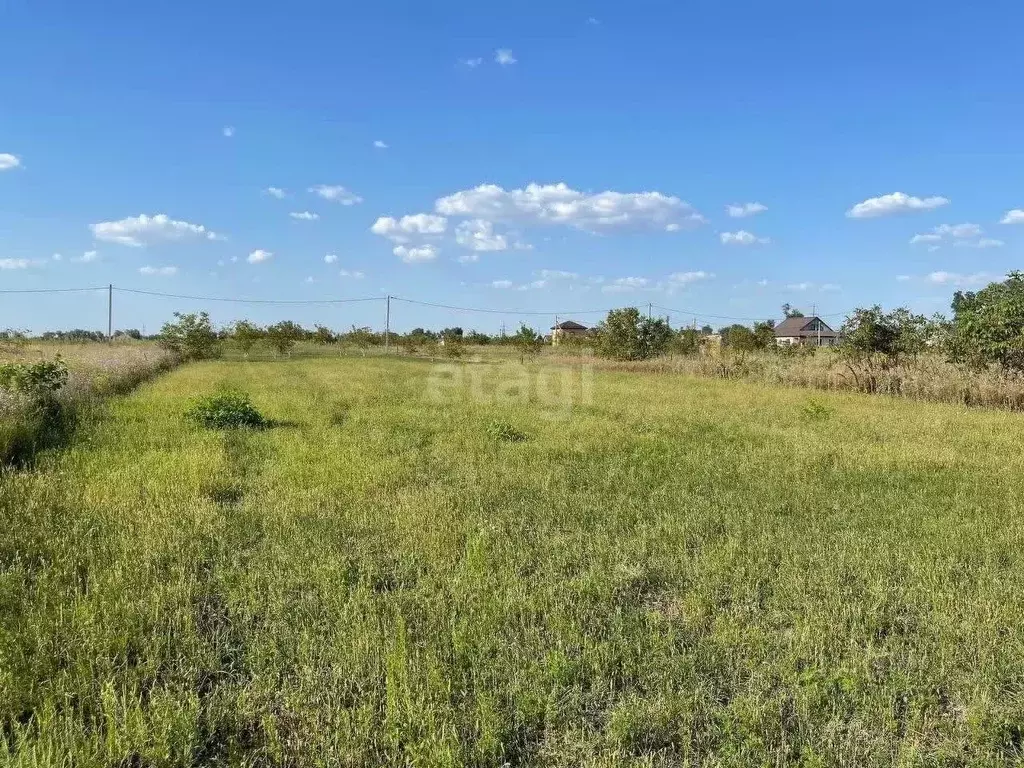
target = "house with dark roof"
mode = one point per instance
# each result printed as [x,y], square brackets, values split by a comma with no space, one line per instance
[808,331]
[567,329]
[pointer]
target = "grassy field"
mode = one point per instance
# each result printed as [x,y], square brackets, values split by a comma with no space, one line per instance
[673,571]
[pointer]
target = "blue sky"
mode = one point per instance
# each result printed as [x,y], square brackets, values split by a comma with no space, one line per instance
[570,156]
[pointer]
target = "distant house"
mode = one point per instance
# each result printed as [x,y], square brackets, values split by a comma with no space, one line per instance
[566,329]
[809,331]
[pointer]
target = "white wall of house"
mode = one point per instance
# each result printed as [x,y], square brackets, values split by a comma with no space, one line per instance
[811,341]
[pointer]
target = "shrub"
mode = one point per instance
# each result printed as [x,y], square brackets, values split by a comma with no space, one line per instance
[228,409]
[38,381]
[528,341]
[452,348]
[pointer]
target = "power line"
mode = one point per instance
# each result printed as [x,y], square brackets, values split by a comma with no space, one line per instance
[53,290]
[436,305]
[250,301]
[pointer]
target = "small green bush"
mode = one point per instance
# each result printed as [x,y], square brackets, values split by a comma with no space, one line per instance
[229,409]
[505,432]
[38,381]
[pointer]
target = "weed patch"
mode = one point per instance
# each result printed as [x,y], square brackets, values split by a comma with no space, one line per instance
[505,433]
[229,409]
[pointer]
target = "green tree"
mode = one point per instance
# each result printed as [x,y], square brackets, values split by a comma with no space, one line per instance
[361,338]
[528,341]
[282,336]
[191,336]
[788,310]
[452,333]
[246,335]
[764,333]
[686,342]
[625,334]
[873,341]
[988,325]
[324,335]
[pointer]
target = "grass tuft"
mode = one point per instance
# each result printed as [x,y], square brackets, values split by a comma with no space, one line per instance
[506,433]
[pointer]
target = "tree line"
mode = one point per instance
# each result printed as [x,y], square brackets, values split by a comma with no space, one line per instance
[985,330]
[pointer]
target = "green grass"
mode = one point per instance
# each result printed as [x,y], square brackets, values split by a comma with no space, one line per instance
[679,572]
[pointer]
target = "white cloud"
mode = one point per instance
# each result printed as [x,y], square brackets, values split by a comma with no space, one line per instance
[310,279]
[742,238]
[380,144]
[560,204]
[896,202]
[228,131]
[984,242]
[958,231]
[684,278]
[57,257]
[504,57]
[967,235]
[15,263]
[417,254]
[806,286]
[330,258]
[145,230]
[471,63]
[8,161]
[401,230]
[902,278]
[953,278]
[353,275]
[305,216]
[86,258]
[592,21]
[557,274]
[625,284]
[164,271]
[259,256]
[479,235]
[501,284]
[275,192]
[336,194]
[1016,216]
[742,210]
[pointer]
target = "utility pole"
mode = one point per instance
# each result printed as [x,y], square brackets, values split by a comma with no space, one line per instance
[387,327]
[650,311]
[110,312]
[817,322]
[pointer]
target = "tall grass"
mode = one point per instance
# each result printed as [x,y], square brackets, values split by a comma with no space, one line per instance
[96,372]
[928,377]
[676,571]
